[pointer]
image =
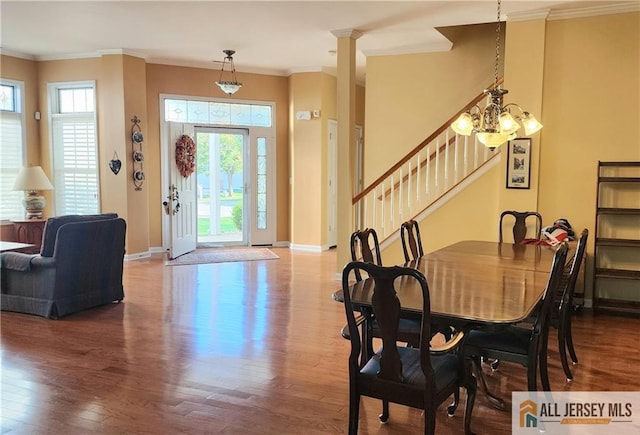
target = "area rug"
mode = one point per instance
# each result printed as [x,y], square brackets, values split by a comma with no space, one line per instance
[222,255]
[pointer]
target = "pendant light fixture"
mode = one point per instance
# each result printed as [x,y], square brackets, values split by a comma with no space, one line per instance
[229,87]
[494,124]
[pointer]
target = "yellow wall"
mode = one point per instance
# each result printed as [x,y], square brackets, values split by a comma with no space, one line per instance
[308,155]
[590,112]
[409,96]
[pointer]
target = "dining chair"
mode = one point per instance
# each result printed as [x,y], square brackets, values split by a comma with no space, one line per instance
[412,248]
[523,343]
[421,377]
[411,240]
[561,317]
[519,228]
[365,247]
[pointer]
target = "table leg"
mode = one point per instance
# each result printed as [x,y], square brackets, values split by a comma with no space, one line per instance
[494,401]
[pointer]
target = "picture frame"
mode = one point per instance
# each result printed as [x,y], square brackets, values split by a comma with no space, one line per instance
[519,163]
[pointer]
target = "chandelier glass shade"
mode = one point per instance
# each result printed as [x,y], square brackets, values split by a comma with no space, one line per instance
[229,87]
[495,124]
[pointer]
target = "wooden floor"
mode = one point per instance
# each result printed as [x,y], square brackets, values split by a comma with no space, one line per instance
[239,348]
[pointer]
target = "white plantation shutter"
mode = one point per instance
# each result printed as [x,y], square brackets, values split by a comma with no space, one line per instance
[75,148]
[11,151]
[75,164]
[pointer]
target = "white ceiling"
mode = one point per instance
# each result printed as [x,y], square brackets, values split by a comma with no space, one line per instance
[270,37]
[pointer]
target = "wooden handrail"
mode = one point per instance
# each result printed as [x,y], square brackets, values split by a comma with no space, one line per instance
[419,148]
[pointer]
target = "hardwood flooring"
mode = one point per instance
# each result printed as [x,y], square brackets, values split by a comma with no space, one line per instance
[239,348]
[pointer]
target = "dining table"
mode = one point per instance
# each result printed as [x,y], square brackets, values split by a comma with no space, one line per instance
[471,284]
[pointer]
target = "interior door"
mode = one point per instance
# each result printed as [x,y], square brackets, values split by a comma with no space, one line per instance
[180,202]
[332,192]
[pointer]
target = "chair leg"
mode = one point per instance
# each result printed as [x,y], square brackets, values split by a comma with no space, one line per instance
[429,419]
[451,409]
[354,412]
[562,348]
[569,341]
[384,417]
[471,398]
[544,372]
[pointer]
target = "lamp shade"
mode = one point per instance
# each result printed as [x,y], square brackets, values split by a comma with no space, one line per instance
[32,178]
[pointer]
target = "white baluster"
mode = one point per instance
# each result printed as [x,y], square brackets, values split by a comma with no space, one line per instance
[426,188]
[409,187]
[382,217]
[366,210]
[436,179]
[400,181]
[446,158]
[455,160]
[392,208]
[466,155]
[418,178]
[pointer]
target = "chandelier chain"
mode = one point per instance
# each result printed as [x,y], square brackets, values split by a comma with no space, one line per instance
[495,86]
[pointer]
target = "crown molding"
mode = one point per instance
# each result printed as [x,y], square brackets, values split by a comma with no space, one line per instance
[347,33]
[564,14]
[5,52]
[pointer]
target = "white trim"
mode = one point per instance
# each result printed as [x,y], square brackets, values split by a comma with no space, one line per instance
[282,244]
[137,256]
[5,52]
[591,11]
[306,248]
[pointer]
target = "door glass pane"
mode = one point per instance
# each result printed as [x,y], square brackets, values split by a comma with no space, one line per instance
[220,188]
[261,178]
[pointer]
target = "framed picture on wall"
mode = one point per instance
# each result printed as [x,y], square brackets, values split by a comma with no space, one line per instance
[519,163]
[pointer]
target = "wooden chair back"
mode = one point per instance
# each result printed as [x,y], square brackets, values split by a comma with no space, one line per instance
[411,240]
[519,228]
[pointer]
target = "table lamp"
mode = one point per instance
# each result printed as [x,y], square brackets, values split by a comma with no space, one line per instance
[32,180]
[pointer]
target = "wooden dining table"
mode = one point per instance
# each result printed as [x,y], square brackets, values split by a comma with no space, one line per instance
[471,284]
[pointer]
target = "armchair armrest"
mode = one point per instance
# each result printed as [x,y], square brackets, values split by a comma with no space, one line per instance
[16,261]
[449,345]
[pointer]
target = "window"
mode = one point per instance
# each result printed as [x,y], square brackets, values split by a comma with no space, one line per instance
[217,113]
[75,148]
[12,147]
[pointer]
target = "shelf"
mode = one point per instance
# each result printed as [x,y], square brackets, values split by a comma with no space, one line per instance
[626,243]
[619,179]
[617,273]
[619,211]
[616,306]
[619,164]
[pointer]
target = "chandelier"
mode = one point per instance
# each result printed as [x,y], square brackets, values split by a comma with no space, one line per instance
[232,86]
[495,124]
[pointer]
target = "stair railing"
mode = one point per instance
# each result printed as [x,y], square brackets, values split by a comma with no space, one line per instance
[438,165]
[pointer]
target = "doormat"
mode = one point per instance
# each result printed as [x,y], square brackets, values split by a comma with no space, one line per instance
[222,255]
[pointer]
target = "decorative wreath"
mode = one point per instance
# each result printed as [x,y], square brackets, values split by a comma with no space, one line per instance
[185,155]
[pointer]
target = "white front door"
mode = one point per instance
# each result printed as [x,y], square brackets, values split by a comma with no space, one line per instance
[181,199]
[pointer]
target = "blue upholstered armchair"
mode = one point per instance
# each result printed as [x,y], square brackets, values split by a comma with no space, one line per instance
[79,266]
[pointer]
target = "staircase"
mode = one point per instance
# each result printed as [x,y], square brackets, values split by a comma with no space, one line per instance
[439,167]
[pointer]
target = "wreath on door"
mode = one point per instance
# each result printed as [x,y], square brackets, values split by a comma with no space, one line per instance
[185,155]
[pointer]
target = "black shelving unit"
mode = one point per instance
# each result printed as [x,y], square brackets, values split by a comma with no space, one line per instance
[616,273]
